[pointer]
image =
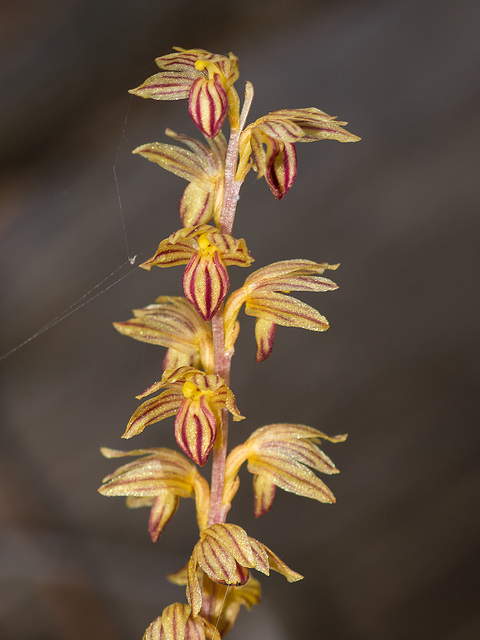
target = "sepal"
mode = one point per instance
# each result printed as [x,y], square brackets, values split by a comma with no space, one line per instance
[304,125]
[264,493]
[162,86]
[153,410]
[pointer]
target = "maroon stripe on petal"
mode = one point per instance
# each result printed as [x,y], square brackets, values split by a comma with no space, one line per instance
[199,441]
[289,166]
[207,296]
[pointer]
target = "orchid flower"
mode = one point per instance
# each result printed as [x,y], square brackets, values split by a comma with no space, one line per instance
[203,166]
[264,296]
[197,399]
[173,322]
[206,79]
[226,553]
[158,480]
[270,140]
[207,253]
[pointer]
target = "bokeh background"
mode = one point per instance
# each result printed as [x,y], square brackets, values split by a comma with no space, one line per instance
[397,556]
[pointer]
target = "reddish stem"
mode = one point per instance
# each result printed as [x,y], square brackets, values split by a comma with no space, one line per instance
[222,359]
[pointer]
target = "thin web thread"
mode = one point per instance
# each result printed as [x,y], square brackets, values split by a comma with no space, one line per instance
[85,299]
[221,609]
[114,168]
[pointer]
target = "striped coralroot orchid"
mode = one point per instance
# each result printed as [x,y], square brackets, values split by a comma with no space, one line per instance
[199,332]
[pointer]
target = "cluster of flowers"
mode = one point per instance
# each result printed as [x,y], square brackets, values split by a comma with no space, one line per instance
[199,332]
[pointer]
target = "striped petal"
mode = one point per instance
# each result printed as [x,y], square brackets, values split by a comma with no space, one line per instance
[163,509]
[281,168]
[205,283]
[181,162]
[284,310]
[196,205]
[195,429]
[208,104]
[264,335]
[264,493]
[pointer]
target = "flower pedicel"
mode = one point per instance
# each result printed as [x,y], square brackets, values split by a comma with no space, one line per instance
[199,332]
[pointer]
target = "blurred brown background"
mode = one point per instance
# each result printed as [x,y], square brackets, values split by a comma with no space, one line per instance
[397,557]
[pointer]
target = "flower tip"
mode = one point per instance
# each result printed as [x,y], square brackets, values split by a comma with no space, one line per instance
[137,92]
[107,452]
[146,265]
[260,357]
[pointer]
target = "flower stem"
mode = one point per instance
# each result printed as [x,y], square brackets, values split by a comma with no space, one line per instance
[222,359]
[218,512]
[232,186]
